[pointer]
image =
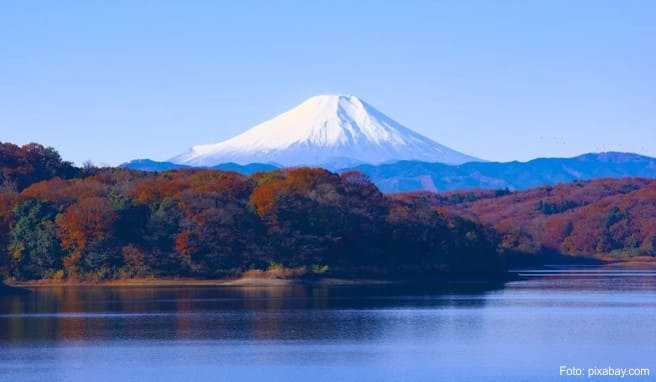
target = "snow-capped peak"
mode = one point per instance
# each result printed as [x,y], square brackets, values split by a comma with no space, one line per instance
[324,129]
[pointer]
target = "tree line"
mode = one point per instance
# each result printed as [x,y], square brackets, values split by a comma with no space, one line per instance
[60,221]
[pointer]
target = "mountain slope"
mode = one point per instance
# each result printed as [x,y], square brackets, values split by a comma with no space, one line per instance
[324,129]
[413,175]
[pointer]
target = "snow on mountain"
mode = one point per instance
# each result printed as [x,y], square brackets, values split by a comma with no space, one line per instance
[324,129]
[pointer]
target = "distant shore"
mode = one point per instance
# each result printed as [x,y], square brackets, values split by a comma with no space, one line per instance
[249,281]
[263,279]
[243,281]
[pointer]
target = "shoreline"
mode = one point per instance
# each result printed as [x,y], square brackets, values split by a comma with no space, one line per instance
[264,281]
[165,282]
[635,262]
[254,282]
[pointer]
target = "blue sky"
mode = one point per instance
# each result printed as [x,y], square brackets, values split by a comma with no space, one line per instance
[112,81]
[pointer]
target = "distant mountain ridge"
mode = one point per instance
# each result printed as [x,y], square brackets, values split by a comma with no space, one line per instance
[151,165]
[406,176]
[321,131]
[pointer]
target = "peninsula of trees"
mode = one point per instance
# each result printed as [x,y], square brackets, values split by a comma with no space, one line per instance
[58,221]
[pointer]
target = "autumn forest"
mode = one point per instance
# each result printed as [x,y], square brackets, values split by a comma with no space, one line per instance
[58,221]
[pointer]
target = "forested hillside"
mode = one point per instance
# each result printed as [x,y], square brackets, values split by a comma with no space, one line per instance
[120,223]
[59,221]
[613,218]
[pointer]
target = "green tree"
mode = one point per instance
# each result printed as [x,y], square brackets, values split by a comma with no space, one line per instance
[161,228]
[33,243]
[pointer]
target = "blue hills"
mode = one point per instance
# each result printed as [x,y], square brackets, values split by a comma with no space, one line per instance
[151,165]
[410,175]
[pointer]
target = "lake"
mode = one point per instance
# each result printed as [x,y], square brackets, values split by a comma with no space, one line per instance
[523,330]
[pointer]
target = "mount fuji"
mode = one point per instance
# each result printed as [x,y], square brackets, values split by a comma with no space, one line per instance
[325,130]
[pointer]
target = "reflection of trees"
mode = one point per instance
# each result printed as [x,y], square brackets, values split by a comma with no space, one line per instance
[290,313]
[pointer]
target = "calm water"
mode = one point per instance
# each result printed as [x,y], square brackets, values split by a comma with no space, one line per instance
[523,330]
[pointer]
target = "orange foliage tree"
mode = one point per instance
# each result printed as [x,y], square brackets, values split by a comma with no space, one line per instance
[84,224]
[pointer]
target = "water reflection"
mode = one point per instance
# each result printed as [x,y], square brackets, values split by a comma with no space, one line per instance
[523,330]
[261,313]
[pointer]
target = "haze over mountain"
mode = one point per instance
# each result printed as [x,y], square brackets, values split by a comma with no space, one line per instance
[326,130]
